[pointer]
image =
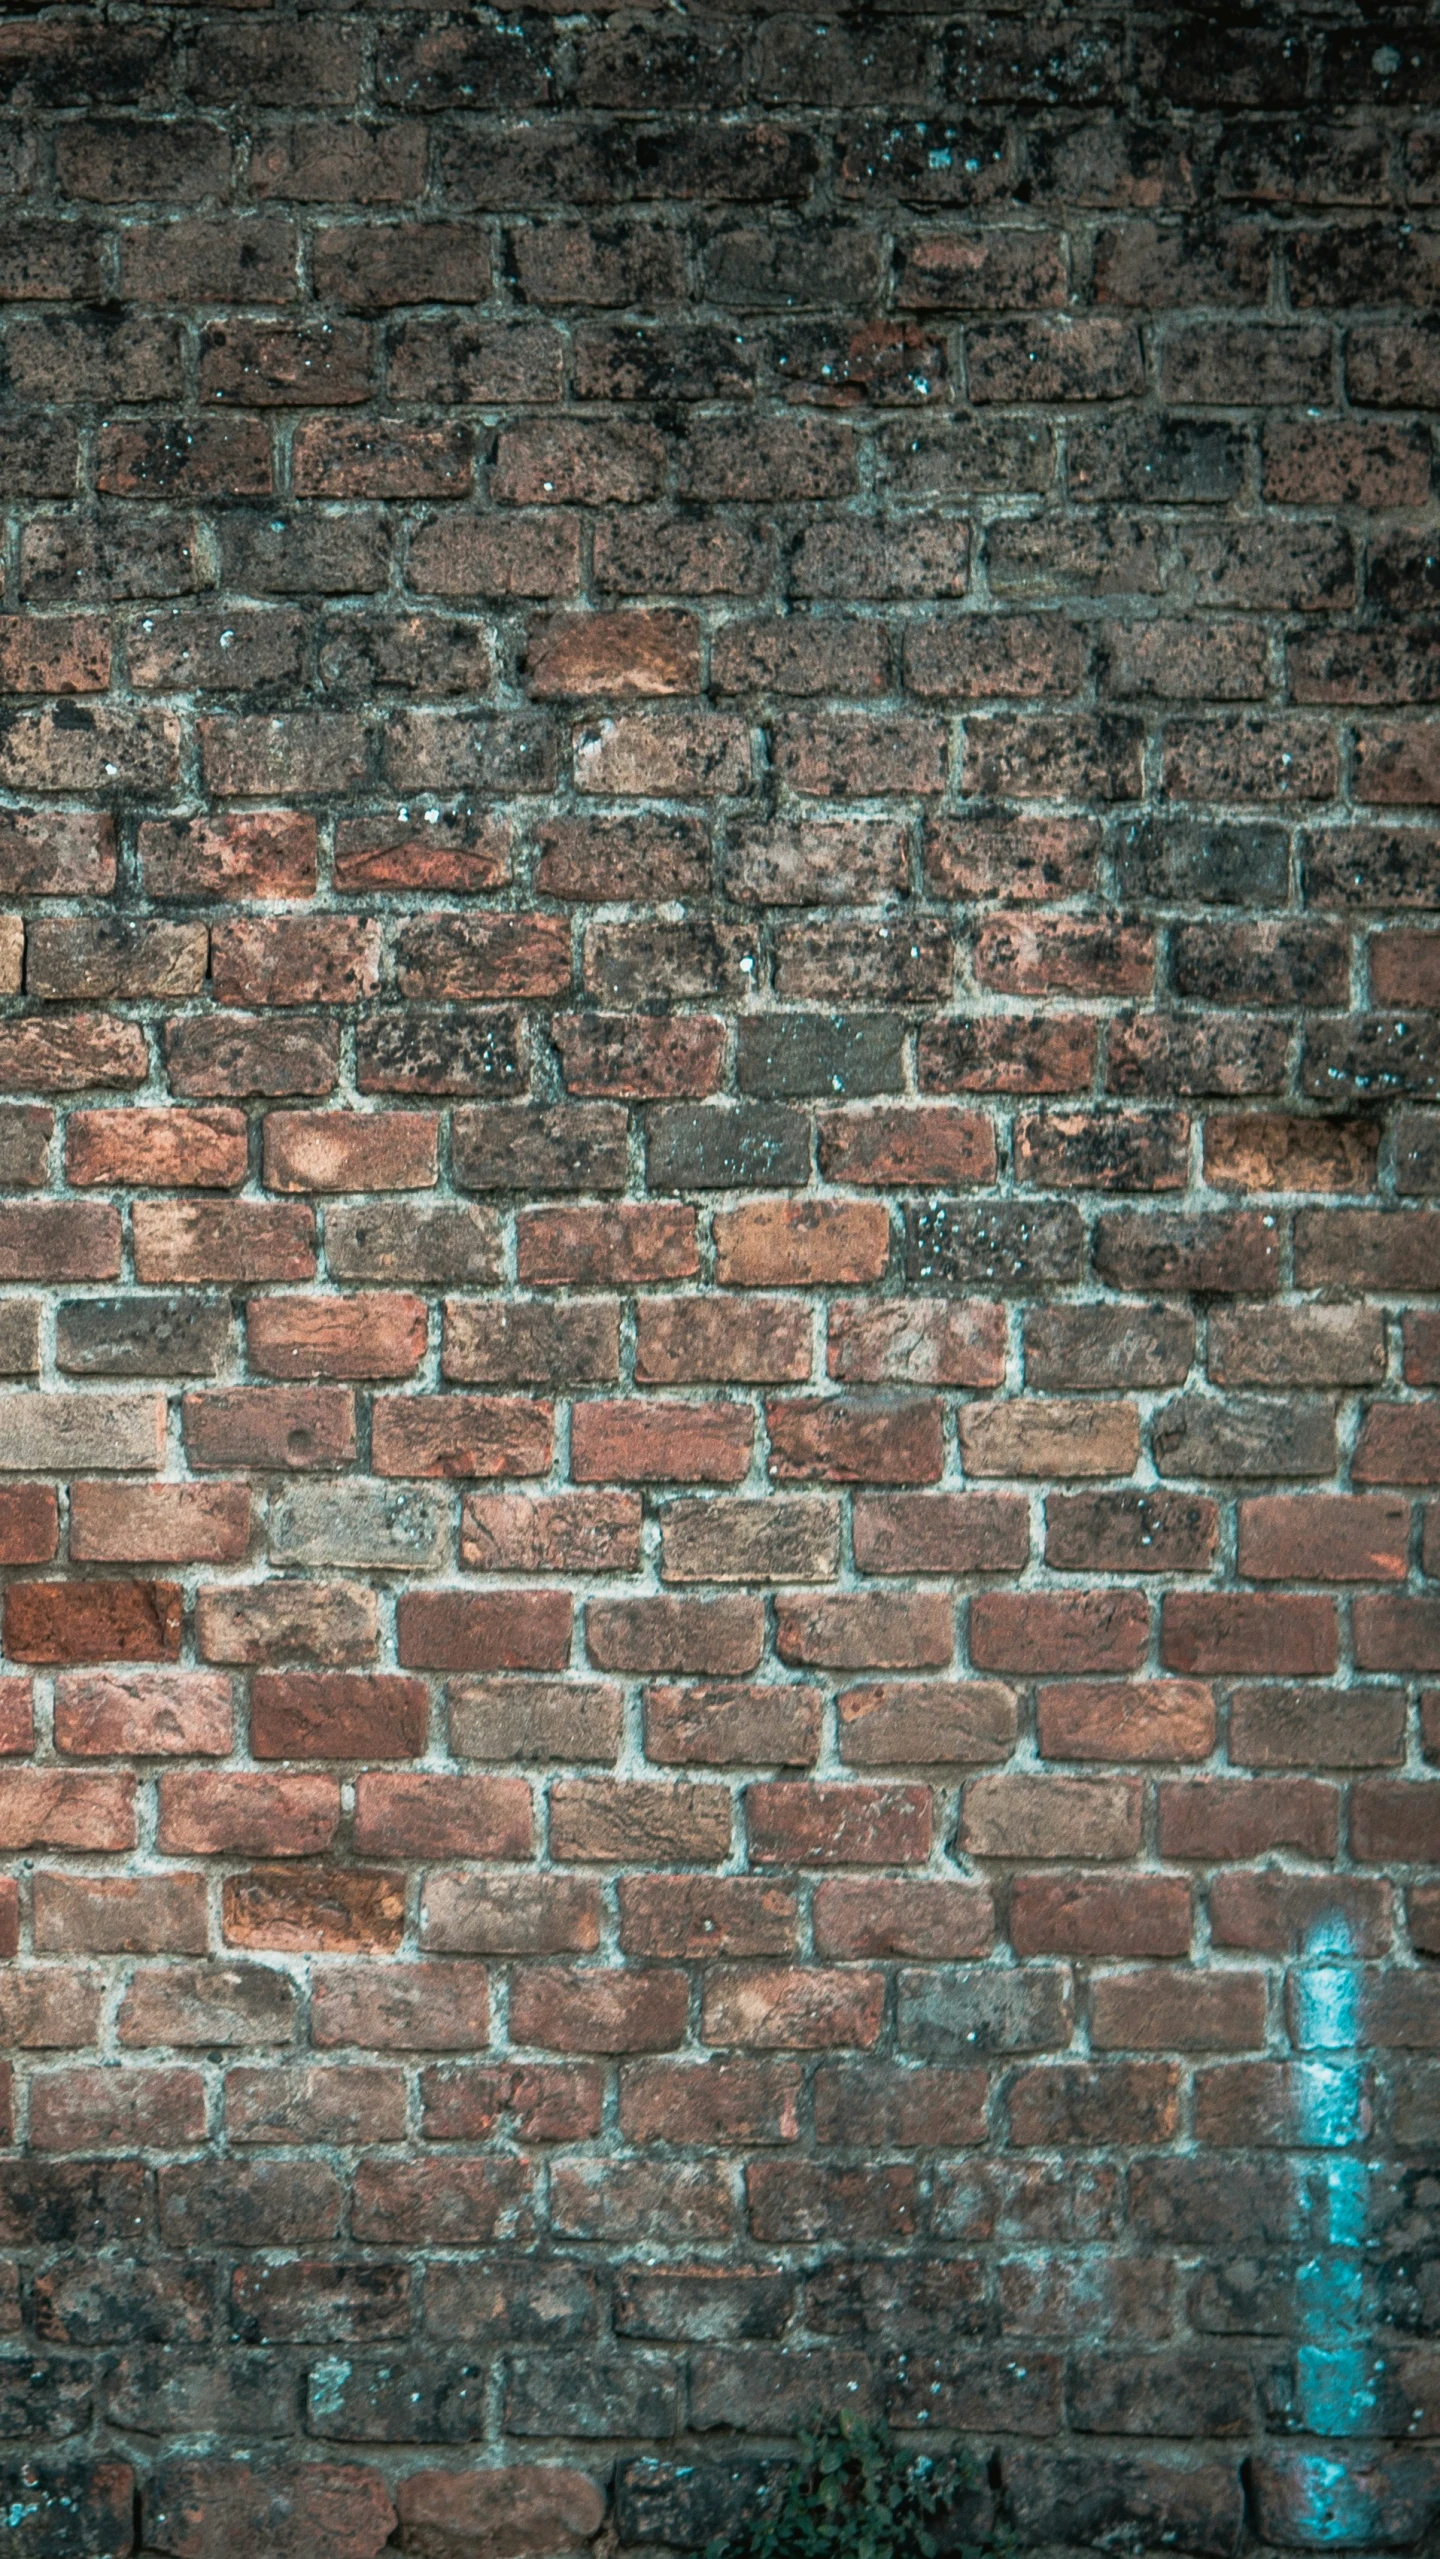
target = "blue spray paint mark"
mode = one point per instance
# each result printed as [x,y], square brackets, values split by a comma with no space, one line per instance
[1339,2378]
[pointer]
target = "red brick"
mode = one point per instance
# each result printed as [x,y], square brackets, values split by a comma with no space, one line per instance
[1277,1727]
[350,1151]
[70,656]
[925,1723]
[17,1719]
[542,2104]
[535,1342]
[542,2507]
[329,959]
[1103,1151]
[239,1240]
[901,1148]
[49,2006]
[1043,1438]
[550,1533]
[116,2109]
[270,1426]
[874,2103]
[49,1808]
[57,853]
[143,1714]
[263,855]
[780,2010]
[434,850]
[336,1337]
[57,1240]
[465,1435]
[1319,1537]
[836,1440]
[1153,1532]
[286,1621]
[714,1726]
[695,754]
[1177,2012]
[592,850]
[941,1533]
[1296,1346]
[159,1150]
[1398,1444]
[806,864]
[749,2101]
[717,1341]
[1083,1914]
[461,959]
[487,1630]
[1230,1631]
[535,1719]
[605,1247]
[870,1630]
[1143,1719]
[1277,1913]
[720,1636]
[711,1540]
[577,655]
[1397,1634]
[649,1443]
[703,1917]
[1048,1816]
[423,2007]
[927,1921]
[439,1816]
[65,1056]
[159,1523]
[630,1822]
[1007,1053]
[1238,1254]
[445,2202]
[630,1057]
[1061,955]
[575,2008]
[469,1914]
[1218,1818]
[922,1343]
[332,2102]
[93,1621]
[600,860]
[855,1825]
[119,1914]
[1059,1632]
[29,1523]
[337,1715]
[1392,1819]
[801,1244]
[247,1816]
[1265,1151]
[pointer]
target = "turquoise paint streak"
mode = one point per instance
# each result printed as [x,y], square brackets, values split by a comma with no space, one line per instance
[1340,2381]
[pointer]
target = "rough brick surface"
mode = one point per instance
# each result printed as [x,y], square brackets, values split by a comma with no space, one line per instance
[719,1268]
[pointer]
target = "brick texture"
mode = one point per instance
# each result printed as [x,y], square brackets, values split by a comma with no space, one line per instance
[719,1269]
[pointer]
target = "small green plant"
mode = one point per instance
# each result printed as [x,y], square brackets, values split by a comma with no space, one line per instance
[853,2494]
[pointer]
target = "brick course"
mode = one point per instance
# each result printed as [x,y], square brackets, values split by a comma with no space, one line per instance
[719,1204]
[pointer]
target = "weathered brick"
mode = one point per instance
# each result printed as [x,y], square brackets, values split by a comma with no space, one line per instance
[801,1243]
[614,1027]
[336,1337]
[491,1630]
[721,1636]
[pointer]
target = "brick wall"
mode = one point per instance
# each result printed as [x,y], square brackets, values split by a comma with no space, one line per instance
[719,1025]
